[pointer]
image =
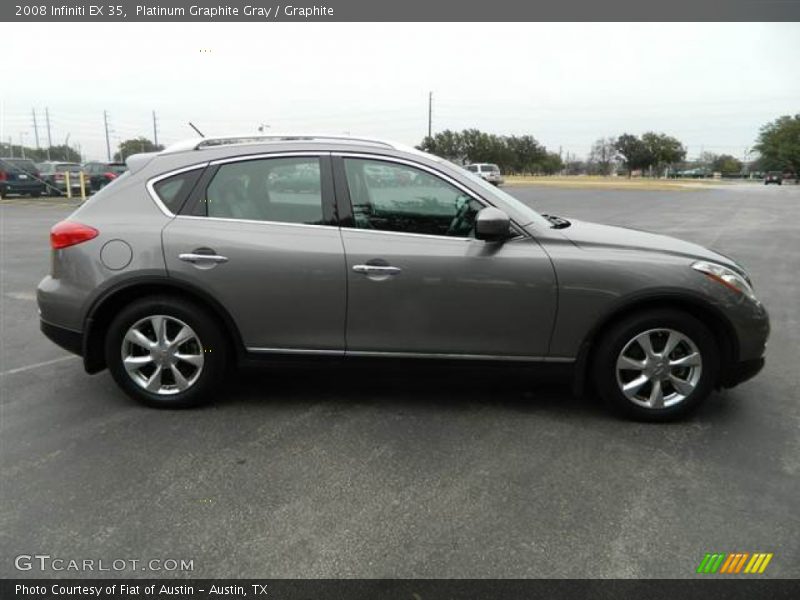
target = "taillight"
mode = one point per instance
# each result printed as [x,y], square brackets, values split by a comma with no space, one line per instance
[58,177]
[111,176]
[69,233]
[3,176]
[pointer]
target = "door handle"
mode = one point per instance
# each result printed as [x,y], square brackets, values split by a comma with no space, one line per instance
[198,258]
[376,270]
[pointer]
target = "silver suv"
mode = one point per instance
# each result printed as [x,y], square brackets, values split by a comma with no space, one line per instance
[219,251]
[488,171]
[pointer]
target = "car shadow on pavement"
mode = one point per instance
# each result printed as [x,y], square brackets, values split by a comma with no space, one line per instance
[450,389]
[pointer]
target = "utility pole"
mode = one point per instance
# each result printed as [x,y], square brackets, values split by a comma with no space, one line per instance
[430,112]
[11,146]
[108,144]
[155,129]
[49,139]
[22,143]
[35,129]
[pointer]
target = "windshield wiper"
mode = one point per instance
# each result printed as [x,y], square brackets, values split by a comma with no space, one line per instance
[558,222]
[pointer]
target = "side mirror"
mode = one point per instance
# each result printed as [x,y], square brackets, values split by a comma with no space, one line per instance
[492,225]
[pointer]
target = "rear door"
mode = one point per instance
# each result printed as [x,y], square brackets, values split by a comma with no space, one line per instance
[259,234]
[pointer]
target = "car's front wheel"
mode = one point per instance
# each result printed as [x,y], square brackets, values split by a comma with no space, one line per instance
[166,352]
[656,365]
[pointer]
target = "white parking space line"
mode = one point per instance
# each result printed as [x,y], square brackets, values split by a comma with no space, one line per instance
[21,295]
[37,365]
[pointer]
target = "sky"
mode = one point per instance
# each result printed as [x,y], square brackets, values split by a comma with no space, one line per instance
[710,85]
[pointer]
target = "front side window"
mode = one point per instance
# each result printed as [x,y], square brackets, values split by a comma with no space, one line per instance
[393,197]
[286,190]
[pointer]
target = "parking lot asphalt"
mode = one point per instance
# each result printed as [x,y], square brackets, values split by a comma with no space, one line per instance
[320,474]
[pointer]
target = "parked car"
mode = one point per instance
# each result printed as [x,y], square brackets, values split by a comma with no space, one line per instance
[53,174]
[102,173]
[773,177]
[19,176]
[192,261]
[488,171]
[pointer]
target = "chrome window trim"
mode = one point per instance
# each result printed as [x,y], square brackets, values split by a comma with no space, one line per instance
[255,222]
[520,231]
[151,183]
[435,355]
[266,155]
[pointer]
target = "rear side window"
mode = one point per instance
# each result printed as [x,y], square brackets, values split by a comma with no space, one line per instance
[173,191]
[283,190]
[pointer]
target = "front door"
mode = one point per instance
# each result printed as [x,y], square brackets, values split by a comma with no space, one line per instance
[420,284]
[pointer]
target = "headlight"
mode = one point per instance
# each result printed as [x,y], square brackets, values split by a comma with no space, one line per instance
[727,277]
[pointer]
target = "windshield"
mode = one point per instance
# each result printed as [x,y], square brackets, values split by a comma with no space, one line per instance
[492,190]
[64,167]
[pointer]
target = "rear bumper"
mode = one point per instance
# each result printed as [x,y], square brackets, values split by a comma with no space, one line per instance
[70,340]
[740,372]
[22,187]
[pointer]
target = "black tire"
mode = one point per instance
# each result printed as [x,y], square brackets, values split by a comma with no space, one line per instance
[618,336]
[204,324]
[36,194]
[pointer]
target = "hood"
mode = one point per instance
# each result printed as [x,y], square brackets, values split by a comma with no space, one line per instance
[594,235]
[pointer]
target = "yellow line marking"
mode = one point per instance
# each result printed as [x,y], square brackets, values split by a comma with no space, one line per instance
[765,563]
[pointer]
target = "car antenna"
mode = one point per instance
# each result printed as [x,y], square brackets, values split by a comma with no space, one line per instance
[200,133]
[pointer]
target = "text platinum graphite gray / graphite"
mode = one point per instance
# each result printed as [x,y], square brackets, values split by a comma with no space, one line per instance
[209,12]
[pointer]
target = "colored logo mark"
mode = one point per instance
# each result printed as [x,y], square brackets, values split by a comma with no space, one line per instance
[734,562]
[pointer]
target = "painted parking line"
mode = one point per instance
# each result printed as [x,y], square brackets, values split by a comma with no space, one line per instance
[38,365]
[29,296]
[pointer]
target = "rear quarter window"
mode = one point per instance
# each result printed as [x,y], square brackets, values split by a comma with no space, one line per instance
[173,191]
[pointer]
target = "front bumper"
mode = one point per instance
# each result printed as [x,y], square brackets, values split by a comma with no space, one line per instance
[740,372]
[70,340]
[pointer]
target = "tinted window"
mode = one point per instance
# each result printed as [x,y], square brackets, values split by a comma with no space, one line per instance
[20,164]
[472,168]
[64,167]
[174,190]
[286,190]
[408,200]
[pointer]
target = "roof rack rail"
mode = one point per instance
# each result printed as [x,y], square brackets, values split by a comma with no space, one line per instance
[215,141]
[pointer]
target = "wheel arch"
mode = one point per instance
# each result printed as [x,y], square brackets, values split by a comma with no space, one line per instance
[102,312]
[711,316]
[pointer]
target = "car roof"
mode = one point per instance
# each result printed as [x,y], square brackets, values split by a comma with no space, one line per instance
[202,150]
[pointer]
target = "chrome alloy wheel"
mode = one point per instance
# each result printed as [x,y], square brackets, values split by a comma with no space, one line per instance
[659,368]
[162,355]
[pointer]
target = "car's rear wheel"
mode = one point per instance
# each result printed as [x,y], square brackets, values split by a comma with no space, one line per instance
[166,352]
[656,365]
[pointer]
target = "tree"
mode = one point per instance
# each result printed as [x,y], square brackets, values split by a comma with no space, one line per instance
[651,150]
[513,154]
[663,149]
[602,156]
[635,154]
[779,144]
[727,164]
[135,146]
